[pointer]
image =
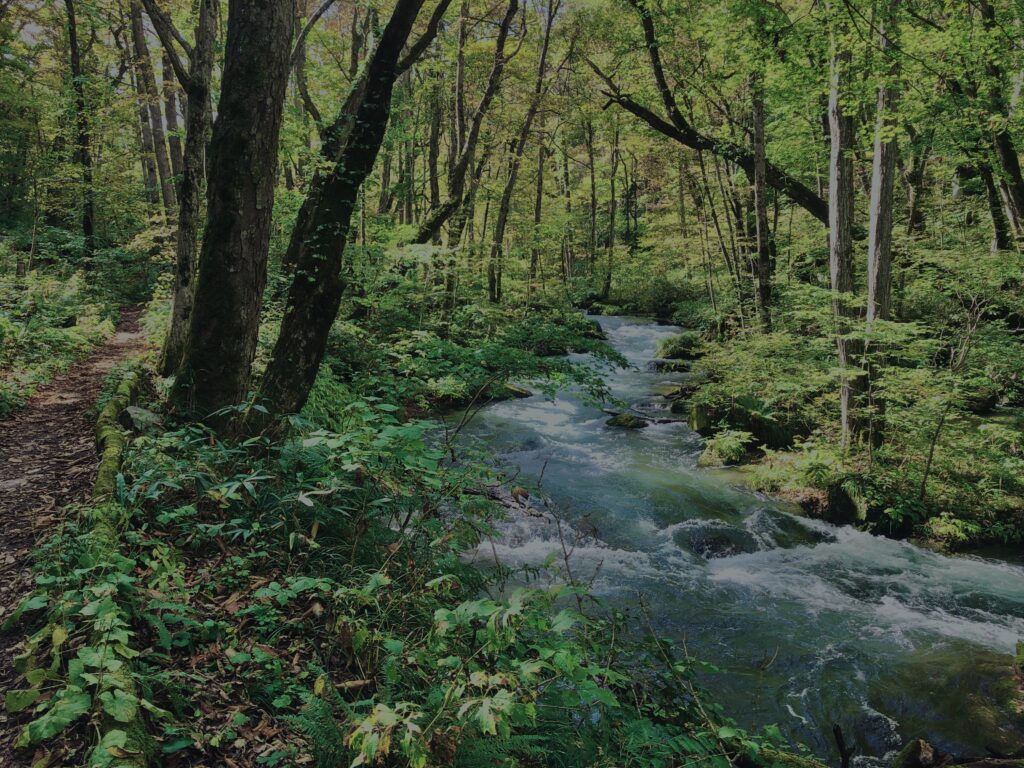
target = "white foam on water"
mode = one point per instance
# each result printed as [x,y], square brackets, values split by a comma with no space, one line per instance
[886,587]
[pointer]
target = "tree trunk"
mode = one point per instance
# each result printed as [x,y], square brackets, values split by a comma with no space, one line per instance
[538,209]
[467,210]
[459,118]
[1006,152]
[198,118]
[434,150]
[215,369]
[83,140]
[568,236]
[322,227]
[914,178]
[883,172]
[840,215]
[171,112]
[494,264]
[356,37]
[437,217]
[1001,240]
[147,86]
[384,201]
[149,175]
[606,284]
[588,135]
[764,236]
[681,194]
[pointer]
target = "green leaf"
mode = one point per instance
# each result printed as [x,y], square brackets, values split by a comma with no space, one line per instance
[178,744]
[111,746]
[16,701]
[64,711]
[727,732]
[120,705]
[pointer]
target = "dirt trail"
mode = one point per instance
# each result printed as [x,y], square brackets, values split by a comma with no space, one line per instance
[47,461]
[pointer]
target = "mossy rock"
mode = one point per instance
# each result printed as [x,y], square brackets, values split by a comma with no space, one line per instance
[686,345]
[627,421]
[918,753]
[710,459]
[704,419]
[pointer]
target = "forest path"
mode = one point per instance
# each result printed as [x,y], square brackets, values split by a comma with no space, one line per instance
[47,461]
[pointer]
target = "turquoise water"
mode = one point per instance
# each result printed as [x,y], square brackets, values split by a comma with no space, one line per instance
[810,624]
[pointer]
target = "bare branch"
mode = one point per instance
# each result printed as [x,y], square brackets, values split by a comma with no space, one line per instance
[301,39]
[425,39]
[168,35]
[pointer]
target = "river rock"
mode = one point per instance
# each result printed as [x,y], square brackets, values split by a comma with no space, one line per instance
[712,541]
[663,365]
[627,421]
[917,754]
[833,505]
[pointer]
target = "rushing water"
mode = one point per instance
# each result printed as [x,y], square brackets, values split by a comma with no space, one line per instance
[809,623]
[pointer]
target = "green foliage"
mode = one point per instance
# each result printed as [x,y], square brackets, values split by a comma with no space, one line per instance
[776,386]
[406,345]
[944,385]
[729,446]
[46,324]
[685,345]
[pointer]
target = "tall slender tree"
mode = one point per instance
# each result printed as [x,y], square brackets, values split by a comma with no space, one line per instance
[883,173]
[318,240]
[151,101]
[83,135]
[840,212]
[195,79]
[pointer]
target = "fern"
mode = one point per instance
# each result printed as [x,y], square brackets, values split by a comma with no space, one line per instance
[319,723]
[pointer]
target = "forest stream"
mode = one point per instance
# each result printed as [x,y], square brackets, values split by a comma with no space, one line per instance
[809,624]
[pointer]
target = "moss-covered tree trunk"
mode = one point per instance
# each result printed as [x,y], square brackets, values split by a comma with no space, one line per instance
[171,114]
[318,239]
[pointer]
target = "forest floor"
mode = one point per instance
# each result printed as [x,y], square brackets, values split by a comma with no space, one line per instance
[47,461]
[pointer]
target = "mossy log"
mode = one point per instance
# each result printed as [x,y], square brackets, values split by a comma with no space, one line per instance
[127,745]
